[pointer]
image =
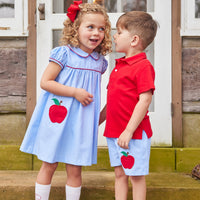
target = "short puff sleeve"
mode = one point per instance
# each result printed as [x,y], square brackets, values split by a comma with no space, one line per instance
[105,65]
[59,56]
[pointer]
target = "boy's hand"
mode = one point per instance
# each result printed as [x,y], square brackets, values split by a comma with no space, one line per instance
[84,97]
[124,139]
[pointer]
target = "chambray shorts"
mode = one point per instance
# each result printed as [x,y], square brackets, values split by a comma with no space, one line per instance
[135,160]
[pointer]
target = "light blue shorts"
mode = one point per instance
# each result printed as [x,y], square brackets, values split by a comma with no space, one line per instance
[135,160]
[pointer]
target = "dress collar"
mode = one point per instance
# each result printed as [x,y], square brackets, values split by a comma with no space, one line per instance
[132,60]
[84,54]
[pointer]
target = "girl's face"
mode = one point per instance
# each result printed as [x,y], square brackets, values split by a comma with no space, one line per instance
[91,31]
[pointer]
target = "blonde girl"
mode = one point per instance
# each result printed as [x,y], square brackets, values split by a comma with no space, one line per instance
[64,125]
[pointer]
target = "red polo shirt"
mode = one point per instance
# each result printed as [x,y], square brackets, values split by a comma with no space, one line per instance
[131,77]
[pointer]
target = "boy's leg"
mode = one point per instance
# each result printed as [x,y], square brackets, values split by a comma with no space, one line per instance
[43,182]
[121,180]
[139,187]
[121,184]
[74,180]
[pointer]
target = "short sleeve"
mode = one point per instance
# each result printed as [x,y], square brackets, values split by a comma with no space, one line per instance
[59,56]
[105,65]
[145,79]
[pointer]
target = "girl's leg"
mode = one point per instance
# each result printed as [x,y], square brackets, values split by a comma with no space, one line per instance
[74,180]
[139,185]
[121,184]
[46,172]
[43,182]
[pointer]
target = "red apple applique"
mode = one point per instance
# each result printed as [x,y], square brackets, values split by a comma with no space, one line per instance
[127,160]
[57,113]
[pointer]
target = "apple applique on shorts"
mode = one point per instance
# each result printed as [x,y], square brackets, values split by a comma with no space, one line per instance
[127,160]
[57,113]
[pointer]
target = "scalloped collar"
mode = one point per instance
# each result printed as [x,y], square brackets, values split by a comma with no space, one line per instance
[84,54]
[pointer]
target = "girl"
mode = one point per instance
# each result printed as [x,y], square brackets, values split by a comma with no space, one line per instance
[64,124]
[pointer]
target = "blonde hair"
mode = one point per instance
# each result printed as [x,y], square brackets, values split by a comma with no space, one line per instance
[139,23]
[70,30]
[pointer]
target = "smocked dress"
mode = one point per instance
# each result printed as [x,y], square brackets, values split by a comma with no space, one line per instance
[61,129]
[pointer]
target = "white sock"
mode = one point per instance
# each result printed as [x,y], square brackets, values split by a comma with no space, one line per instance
[42,191]
[72,193]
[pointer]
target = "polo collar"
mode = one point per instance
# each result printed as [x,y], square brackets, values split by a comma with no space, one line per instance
[84,54]
[132,60]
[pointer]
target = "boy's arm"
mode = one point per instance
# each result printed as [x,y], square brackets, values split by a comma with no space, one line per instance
[136,118]
[102,117]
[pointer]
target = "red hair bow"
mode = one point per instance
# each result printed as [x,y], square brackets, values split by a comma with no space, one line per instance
[73,10]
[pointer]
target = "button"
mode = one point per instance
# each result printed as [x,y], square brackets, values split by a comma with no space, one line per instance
[116,70]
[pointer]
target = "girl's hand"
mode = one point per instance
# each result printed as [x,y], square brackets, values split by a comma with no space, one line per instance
[124,139]
[84,97]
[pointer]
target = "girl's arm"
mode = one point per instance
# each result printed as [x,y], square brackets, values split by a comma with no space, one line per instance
[49,84]
[136,118]
[102,117]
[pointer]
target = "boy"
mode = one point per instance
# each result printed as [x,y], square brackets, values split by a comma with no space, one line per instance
[130,89]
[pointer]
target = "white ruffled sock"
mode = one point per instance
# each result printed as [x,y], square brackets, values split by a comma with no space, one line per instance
[42,191]
[72,193]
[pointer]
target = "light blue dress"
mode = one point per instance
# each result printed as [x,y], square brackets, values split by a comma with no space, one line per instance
[68,132]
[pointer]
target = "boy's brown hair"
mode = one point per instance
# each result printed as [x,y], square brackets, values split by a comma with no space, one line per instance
[139,23]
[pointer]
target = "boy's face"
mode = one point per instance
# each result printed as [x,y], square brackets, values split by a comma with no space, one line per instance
[122,40]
